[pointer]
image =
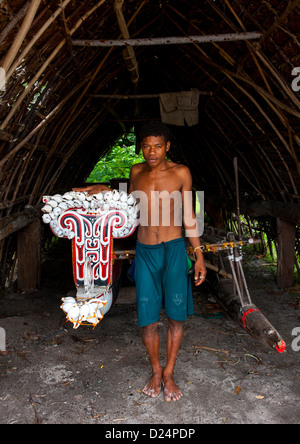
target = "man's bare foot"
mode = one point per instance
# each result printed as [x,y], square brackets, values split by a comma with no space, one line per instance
[153,387]
[171,390]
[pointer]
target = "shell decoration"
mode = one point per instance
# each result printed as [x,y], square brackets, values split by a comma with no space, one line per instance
[96,203]
[115,208]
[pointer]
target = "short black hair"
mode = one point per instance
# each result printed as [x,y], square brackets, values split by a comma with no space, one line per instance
[155,128]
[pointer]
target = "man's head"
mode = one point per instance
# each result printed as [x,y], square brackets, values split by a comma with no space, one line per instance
[156,129]
[155,142]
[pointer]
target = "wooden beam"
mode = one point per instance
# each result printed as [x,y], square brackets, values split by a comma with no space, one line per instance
[138,96]
[232,37]
[13,51]
[288,212]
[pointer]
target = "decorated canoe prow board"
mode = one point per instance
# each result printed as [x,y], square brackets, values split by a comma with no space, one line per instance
[91,222]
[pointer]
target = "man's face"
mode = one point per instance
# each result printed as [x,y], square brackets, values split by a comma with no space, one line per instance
[154,150]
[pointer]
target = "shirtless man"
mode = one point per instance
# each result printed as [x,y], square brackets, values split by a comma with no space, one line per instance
[160,262]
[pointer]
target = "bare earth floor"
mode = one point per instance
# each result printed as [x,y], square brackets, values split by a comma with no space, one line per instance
[54,374]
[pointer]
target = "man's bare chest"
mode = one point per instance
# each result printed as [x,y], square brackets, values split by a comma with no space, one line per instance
[165,184]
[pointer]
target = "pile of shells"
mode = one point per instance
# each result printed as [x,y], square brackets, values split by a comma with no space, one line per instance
[96,203]
[91,311]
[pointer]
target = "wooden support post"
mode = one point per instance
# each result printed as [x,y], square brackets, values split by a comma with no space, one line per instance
[29,256]
[286,232]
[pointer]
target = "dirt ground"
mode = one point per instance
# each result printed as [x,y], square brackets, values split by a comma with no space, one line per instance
[54,374]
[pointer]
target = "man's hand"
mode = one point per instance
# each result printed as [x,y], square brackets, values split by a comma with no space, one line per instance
[200,271]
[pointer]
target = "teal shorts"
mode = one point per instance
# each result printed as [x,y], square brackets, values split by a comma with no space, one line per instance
[162,281]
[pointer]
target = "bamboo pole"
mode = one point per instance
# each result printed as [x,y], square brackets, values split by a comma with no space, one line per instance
[47,119]
[46,64]
[129,54]
[72,114]
[12,23]
[233,37]
[10,56]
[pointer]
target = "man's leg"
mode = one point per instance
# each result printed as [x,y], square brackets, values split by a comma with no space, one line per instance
[174,338]
[151,342]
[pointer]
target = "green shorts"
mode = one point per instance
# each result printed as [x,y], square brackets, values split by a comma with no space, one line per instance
[162,281]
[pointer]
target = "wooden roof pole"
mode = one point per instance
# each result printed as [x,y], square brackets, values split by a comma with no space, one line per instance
[45,65]
[13,51]
[35,38]
[128,52]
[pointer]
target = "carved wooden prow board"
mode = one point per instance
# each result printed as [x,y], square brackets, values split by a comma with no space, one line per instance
[91,222]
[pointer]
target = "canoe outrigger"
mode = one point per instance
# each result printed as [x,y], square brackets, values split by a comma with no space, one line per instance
[94,222]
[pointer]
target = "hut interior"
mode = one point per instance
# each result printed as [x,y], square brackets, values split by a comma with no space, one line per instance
[76,75]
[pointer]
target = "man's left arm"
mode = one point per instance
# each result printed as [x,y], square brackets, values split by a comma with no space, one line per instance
[191,226]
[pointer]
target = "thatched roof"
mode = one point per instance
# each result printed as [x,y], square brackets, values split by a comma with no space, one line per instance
[53,129]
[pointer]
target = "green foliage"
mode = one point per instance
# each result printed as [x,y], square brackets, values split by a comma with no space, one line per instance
[117,162]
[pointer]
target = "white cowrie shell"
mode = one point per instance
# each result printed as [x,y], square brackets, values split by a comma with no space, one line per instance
[80,196]
[63,205]
[73,313]
[98,196]
[67,196]
[53,203]
[84,312]
[69,299]
[57,211]
[123,205]
[46,199]
[57,198]
[116,195]
[47,208]
[130,200]
[71,235]
[108,196]
[123,196]
[67,305]
[77,203]
[86,204]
